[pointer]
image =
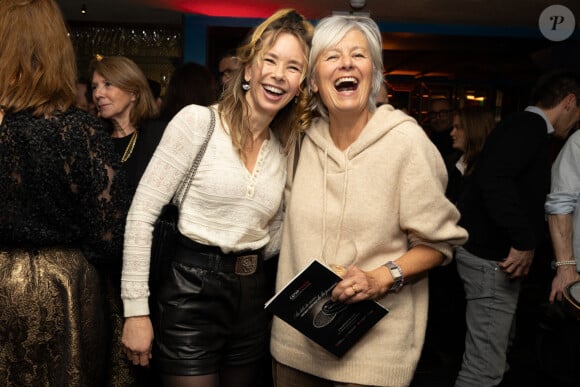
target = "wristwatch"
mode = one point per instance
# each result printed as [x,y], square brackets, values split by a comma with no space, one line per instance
[398,277]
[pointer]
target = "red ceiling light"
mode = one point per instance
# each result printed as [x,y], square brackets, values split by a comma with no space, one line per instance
[224,8]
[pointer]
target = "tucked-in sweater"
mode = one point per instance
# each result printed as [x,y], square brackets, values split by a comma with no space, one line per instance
[226,206]
[386,193]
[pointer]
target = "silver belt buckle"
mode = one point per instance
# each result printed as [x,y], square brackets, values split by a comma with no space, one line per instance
[246,264]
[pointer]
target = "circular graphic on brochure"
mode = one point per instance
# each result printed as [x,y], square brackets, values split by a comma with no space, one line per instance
[330,309]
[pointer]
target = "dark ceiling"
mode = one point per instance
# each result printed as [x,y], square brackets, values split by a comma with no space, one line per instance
[511,13]
[468,39]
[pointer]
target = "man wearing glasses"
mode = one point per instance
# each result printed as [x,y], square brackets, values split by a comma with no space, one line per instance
[440,125]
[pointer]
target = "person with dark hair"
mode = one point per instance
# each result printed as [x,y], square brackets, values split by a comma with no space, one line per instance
[440,124]
[156,91]
[471,126]
[210,324]
[190,84]
[63,209]
[502,207]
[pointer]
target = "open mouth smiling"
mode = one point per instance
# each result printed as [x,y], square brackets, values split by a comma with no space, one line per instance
[346,84]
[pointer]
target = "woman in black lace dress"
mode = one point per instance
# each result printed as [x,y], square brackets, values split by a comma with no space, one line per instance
[127,108]
[62,206]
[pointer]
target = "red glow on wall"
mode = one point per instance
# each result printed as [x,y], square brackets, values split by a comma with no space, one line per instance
[222,8]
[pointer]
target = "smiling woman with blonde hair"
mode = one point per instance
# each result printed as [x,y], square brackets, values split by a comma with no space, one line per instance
[210,325]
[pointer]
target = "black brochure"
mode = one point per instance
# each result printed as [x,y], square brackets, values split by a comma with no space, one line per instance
[305,304]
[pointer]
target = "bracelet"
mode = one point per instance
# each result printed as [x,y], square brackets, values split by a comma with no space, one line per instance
[565,263]
[556,264]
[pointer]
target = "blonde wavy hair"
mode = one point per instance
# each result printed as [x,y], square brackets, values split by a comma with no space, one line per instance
[233,108]
[37,59]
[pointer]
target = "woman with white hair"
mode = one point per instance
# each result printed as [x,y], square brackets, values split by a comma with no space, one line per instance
[368,181]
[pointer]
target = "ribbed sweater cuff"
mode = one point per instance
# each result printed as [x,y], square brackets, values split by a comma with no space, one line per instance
[136,307]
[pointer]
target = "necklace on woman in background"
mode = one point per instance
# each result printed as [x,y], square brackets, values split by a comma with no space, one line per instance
[130,146]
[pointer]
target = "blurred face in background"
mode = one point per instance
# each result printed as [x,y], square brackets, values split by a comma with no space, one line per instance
[440,115]
[84,99]
[81,97]
[458,134]
[227,68]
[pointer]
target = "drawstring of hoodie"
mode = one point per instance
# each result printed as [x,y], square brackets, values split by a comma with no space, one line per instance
[324,203]
[342,207]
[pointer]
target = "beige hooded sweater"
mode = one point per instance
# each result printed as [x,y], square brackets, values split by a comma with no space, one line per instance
[385,194]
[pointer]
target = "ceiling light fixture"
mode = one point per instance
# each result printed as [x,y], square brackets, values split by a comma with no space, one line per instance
[84,9]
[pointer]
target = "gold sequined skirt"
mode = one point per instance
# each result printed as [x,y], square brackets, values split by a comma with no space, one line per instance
[55,326]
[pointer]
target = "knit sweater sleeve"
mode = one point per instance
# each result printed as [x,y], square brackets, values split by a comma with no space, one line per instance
[170,162]
[428,216]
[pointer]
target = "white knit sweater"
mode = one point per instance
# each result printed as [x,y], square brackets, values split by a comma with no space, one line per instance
[226,205]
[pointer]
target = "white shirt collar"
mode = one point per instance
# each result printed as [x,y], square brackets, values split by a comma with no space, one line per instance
[540,112]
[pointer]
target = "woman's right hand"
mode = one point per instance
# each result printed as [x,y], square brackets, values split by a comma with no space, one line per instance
[138,339]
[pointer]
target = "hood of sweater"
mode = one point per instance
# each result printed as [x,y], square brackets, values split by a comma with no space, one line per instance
[336,161]
[381,122]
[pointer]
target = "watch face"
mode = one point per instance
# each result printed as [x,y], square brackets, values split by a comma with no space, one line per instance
[395,271]
[397,275]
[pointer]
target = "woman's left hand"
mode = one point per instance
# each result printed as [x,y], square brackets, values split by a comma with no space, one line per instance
[358,285]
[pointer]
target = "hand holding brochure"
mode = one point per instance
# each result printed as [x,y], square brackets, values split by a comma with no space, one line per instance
[305,304]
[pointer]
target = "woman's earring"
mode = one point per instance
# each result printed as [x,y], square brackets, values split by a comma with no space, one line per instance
[245,85]
[295,100]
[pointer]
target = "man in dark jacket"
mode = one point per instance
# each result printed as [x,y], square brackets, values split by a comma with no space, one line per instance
[503,210]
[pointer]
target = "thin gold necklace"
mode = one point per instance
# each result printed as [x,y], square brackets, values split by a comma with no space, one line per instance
[130,147]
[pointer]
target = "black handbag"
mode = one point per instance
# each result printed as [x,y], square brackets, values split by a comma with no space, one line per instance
[165,232]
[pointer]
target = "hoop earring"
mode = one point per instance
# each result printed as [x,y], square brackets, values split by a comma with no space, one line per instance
[245,85]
